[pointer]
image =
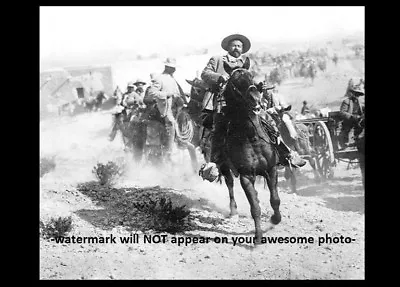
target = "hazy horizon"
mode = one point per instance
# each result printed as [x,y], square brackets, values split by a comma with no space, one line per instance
[89,31]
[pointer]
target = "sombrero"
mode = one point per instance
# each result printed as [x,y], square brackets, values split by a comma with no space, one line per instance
[246,42]
[356,85]
[139,81]
[170,62]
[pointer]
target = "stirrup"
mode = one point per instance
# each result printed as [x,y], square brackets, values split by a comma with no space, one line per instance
[292,156]
[209,171]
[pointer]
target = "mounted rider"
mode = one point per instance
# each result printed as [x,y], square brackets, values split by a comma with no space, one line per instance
[164,97]
[274,104]
[351,112]
[216,77]
[276,107]
[121,113]
[305,109]
[133,101]
[140,90]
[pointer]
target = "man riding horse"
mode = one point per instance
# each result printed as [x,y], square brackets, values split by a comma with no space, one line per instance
[164,98]
[122,110]
[276,107]
[214,103]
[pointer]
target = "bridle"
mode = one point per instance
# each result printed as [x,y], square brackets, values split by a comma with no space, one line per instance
[258,107]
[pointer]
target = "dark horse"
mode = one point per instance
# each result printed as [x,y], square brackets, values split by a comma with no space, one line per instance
[248,148]
[201,133]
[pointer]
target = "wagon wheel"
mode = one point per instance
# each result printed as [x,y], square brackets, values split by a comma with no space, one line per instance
[323,147]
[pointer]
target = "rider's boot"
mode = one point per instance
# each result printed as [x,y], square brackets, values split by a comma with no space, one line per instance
[288,156]
[210,170]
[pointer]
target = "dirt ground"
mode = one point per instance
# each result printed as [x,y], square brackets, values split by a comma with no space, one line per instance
[330,208]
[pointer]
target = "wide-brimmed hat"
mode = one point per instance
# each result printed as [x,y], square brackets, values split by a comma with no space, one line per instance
[170,62]
[131,84]
[139,81]
[356,85]
[246,42]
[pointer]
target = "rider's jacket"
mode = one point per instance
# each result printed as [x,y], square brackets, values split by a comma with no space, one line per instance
[164,91]
[351,106]
[211,73]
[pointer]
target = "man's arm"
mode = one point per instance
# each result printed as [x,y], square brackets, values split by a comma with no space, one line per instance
[209,74]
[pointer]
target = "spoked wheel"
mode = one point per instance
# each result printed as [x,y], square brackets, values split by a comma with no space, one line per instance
[323,147]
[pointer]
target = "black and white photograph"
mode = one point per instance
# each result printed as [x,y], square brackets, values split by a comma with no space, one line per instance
[202,142]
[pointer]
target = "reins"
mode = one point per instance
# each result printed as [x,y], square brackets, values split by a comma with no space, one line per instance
[251,110]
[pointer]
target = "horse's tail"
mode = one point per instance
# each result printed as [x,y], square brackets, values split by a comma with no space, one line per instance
[184,128]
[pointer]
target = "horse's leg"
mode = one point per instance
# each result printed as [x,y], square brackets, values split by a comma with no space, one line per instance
[272,181]
[138,142]
[290,174]
[229,183]
[317,176]
[247,182]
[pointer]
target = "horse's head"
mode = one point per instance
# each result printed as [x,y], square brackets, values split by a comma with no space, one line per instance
[240,89]
[198,89]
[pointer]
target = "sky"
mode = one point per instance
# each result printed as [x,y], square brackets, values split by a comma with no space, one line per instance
[75,30]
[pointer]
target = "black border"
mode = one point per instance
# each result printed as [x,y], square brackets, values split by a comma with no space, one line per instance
[31,125]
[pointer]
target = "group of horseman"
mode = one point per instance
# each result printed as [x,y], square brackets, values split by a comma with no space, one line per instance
[152,110]
[156,107]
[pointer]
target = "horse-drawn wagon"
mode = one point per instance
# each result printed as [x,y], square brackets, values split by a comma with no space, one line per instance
[324,138]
